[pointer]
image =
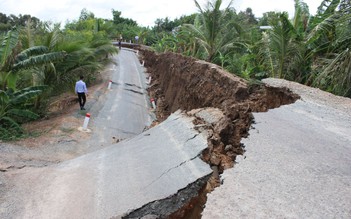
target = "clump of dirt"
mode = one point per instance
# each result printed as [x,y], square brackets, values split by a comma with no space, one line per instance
[180,82]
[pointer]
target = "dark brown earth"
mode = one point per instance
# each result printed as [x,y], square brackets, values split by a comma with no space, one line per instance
[185,83]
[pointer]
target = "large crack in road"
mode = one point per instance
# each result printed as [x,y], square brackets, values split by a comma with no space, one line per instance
[180,82]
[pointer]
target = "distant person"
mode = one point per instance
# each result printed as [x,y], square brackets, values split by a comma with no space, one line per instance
[136,39]
[120,41]
[81,90]
[119,44]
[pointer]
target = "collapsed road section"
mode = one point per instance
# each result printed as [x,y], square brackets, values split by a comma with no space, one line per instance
[185,83]
[180,82]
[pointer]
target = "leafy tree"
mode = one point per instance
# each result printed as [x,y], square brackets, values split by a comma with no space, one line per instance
[86,15]
[117,19]
[185,19]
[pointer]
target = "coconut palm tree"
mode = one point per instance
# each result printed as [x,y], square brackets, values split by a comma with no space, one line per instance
[333,67]
[83,57]
[278,45]
[212,31]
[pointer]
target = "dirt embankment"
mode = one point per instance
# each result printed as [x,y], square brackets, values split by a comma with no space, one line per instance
[180,82]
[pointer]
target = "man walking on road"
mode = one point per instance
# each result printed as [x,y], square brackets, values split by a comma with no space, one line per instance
[81,90]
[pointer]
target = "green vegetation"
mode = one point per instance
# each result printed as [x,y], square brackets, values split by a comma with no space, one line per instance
[310,49]
[39,60]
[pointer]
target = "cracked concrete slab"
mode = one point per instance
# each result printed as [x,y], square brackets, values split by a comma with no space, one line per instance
[115,180]
[296,165]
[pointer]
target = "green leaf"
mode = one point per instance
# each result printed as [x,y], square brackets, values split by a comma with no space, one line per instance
[10,123]
[23,113]
[39,60]
[23,97]
[11,80]
[4,98]
[8,44]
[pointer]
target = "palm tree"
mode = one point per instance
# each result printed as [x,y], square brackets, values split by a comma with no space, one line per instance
[333,67]
[84,57]
[212,31]
[284,48]
[277,45]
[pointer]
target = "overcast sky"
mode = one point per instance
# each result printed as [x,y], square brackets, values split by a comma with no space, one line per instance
[145,12]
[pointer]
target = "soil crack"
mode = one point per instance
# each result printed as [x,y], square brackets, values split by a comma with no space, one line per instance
[184,83]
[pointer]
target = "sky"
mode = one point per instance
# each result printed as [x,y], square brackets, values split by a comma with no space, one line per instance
[145,12]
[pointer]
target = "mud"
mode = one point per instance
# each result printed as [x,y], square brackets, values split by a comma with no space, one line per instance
[180,82]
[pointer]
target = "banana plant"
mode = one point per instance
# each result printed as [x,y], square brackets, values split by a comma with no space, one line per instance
[14,110]
[8,51]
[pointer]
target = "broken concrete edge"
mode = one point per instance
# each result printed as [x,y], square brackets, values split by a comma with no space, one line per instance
[181,82]
[172,206]
[182,202]
[311,94]
[186,83]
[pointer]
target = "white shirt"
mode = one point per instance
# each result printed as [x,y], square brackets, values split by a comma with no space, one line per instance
[81,87]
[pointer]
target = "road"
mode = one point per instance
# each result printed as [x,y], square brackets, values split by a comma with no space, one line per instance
[125,112]
[152,169]
[297,162]
[115,180]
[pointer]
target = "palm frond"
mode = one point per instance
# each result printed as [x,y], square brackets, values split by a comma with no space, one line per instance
[53,38]
[325,26]
[337,74]
[327,7]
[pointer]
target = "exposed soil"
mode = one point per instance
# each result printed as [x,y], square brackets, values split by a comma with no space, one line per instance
[185,83]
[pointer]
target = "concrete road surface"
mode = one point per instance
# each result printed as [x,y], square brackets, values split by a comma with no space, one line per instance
[125,112]
[297,163]
[115,180]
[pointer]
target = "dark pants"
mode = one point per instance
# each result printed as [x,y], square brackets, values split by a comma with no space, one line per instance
[82,99]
